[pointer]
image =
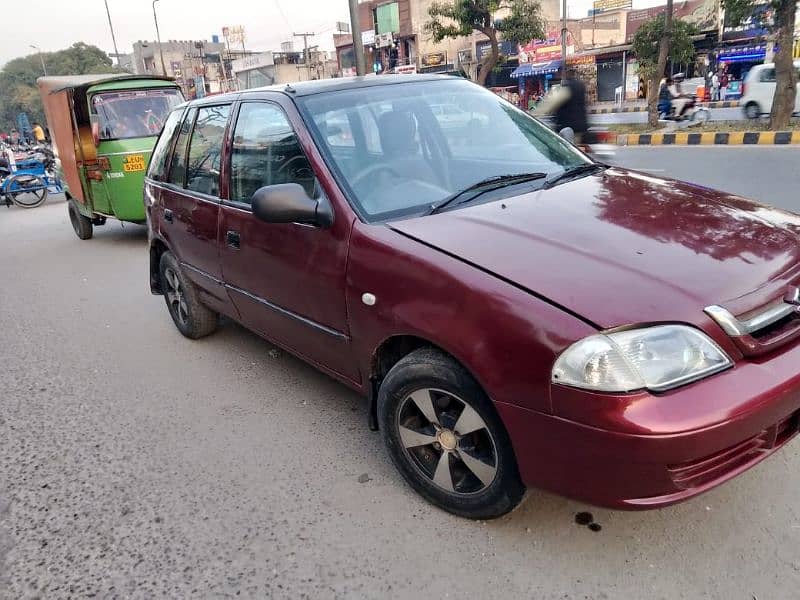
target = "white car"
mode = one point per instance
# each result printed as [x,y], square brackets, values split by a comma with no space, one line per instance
[759,89]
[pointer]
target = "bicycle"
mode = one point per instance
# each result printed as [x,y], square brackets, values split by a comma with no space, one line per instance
[26,182]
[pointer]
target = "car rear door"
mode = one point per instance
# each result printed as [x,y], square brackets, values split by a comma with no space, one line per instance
[286,280]
[190,200]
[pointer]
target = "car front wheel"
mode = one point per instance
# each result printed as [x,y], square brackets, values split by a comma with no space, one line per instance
[445,437]
[752,111]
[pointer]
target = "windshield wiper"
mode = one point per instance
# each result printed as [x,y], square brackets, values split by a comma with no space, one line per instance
[483,186]
[573,172]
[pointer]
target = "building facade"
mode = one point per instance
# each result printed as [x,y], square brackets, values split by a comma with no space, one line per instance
[199,66]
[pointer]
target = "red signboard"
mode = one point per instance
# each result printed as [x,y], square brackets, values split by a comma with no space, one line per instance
[545,50]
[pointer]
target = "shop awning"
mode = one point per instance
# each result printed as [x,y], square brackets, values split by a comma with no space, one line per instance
[531,69]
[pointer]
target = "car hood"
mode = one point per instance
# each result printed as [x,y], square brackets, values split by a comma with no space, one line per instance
[623,247]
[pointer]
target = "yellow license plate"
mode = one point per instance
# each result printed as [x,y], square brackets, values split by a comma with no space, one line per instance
[133,162]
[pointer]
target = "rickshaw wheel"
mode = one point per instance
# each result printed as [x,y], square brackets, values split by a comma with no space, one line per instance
[193,319]
[26,191]
[81,224]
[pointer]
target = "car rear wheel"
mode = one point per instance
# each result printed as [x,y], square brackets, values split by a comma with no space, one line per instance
[193,319]
[752,110]
[445,437]
[80,224]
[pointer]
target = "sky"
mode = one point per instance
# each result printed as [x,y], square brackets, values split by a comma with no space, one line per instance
[57,24]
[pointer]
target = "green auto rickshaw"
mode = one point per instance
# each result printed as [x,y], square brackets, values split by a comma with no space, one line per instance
[104,128]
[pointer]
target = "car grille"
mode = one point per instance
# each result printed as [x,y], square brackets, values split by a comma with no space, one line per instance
[696,473]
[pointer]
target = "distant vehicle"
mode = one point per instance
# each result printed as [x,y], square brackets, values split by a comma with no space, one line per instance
[104,128]
[759,90]
[516,314]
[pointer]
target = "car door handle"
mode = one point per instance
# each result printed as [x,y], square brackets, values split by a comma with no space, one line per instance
[168,215]
[233,240]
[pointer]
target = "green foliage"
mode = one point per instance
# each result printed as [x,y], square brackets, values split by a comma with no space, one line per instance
[738,11]
[460,18]
[648,36]
[18,91]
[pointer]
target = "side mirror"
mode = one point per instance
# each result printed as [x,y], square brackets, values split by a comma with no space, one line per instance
[289,203]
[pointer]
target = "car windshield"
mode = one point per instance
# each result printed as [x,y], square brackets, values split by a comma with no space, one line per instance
[134,113]
[401,149]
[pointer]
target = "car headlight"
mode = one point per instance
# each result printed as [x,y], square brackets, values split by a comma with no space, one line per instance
[657,358]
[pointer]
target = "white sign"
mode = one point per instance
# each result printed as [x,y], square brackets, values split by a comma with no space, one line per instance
[368,37]
[382,40]
[406,70]
[253,61]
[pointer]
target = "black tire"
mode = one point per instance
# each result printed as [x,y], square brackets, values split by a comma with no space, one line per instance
[752,110]
[81,224]
[26,191]
[487,492]
[193,319]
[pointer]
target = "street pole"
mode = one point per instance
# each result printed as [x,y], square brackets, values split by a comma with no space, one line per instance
[111,27]
[306,57]
[564,43]
[358,45]
[41,58]
[158,37]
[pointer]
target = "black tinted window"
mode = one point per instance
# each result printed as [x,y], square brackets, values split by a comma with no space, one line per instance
[177,168]
[159,159]
[266,151]
[205,150]
[768,75]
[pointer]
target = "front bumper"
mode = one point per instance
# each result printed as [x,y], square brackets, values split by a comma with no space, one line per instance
[646,451]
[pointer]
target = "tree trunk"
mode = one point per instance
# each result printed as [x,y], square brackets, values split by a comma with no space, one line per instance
[661,66]
[491,59]
[786,78]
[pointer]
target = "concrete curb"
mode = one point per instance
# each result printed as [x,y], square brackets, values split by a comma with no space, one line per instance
[631,109]
[710,138]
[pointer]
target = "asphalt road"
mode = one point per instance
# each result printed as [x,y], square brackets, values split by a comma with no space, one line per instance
[135,463]
[717,114]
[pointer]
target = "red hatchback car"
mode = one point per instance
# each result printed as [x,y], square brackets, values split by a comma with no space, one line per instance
[517,314]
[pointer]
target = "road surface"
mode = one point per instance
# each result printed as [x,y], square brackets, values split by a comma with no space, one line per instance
[136,463]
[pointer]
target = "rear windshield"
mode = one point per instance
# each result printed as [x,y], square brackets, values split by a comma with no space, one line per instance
[134,113]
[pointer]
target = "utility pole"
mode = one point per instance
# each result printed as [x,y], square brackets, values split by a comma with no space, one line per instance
[41,58]
[358,45]
[564,43]
[305,37]
[158,37]
[111,27]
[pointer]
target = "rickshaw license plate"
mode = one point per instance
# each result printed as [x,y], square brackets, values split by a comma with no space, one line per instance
[133,162]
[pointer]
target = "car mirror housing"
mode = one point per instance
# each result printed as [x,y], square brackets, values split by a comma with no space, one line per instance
[289,203]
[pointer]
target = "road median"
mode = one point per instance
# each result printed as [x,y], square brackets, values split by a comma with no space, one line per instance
[710,138]
[605,110]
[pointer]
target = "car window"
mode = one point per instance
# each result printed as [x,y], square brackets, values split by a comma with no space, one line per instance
[767,76]
[266,151]
[177,168]
[159,159]
[205,150]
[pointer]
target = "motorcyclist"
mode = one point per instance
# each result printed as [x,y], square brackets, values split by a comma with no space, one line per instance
[567,103]
[680,101]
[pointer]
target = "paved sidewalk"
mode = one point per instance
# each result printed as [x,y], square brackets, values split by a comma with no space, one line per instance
[602,109]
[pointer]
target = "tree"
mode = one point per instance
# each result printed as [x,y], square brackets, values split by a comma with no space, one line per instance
[779,19]
[18,90]
[656,41]
[460,18]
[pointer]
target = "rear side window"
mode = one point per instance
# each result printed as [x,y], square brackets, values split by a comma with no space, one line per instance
[767,76]
[177,168]
[266,151]
[158,161]
[205,150]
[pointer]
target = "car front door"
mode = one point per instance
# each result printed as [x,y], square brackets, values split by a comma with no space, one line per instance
[286,280]
[190,201]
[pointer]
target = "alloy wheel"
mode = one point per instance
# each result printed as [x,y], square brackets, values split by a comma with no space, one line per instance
[447,441]
[175,296]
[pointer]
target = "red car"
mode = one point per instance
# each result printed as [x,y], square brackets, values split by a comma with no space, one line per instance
[516,314]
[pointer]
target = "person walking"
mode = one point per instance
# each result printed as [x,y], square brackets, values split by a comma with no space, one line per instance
[714,87]
[723,85]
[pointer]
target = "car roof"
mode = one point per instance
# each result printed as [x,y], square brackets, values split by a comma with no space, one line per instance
[319,86]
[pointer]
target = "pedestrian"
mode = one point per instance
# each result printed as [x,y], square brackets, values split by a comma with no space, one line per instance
[714,87]
[568,105]
[723,85]
[664,97]
[38,133]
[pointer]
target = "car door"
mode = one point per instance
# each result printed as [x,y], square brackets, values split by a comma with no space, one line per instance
[190,200]
[286,280]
